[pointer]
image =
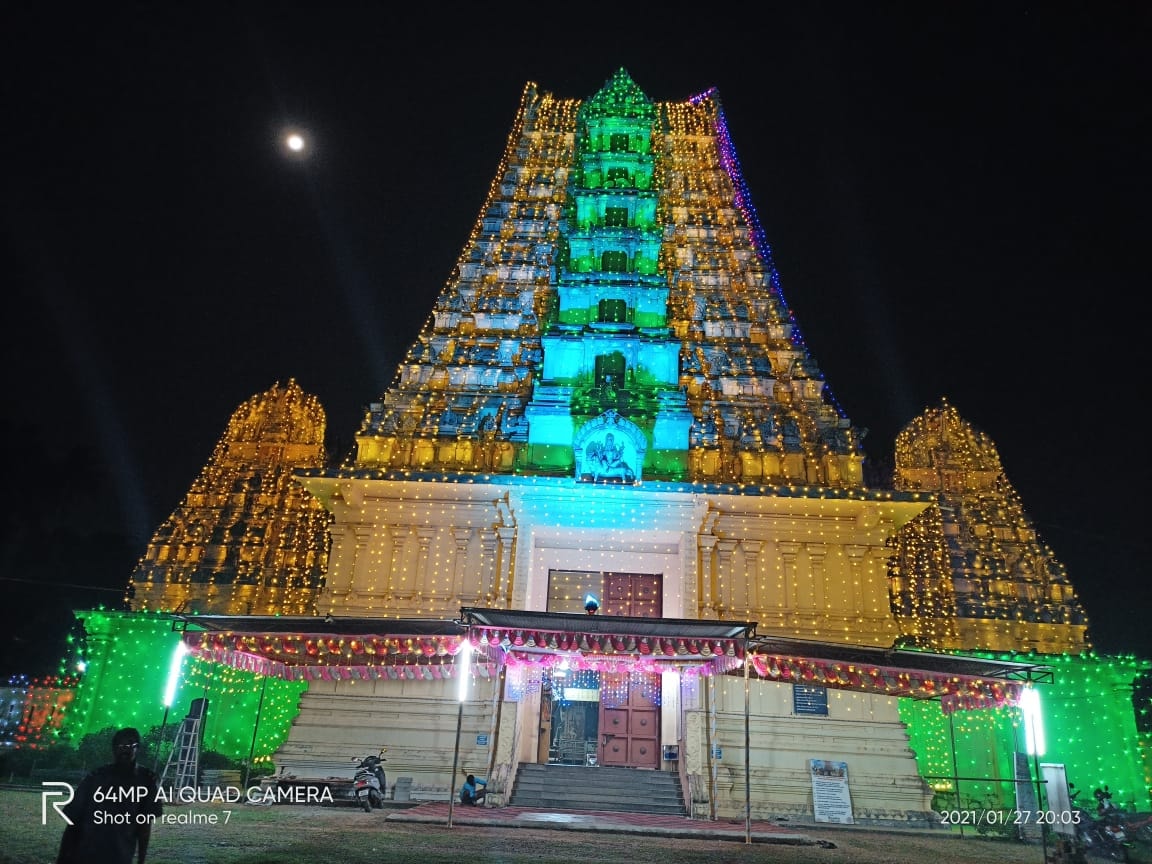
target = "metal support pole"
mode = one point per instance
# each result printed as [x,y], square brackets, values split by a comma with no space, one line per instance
[495,739]
[160,742]
[955,769]
[255,729]
[455,763]
[711,751]
[747,753]
[1039,809]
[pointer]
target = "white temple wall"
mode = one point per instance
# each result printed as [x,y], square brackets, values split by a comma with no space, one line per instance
[799,567]
[862,730]
[796,566]
[342,721]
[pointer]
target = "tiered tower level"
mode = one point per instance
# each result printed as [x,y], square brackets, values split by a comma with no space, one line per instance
[247,539]
[616,316]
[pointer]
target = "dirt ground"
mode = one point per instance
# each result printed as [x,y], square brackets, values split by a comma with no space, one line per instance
[245,834]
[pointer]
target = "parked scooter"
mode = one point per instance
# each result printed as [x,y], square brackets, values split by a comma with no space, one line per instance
[368,783]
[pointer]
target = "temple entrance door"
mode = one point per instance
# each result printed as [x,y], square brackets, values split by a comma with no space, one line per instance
[629,732]
[624,729]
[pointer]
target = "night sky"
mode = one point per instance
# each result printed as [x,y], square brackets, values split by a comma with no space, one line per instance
[957,198]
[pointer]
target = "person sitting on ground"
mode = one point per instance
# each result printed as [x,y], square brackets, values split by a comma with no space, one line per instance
[473,790]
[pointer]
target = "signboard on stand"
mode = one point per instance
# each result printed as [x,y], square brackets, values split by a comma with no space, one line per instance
[831,800]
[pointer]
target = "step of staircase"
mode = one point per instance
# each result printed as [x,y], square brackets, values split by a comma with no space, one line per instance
[576,787]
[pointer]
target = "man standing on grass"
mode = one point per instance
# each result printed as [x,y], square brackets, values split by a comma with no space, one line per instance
[110,817]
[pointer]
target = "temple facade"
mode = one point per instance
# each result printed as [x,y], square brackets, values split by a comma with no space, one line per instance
[612,403]
[610,492]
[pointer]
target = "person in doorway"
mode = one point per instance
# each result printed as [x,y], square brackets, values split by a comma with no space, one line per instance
[111,815]
[473,790]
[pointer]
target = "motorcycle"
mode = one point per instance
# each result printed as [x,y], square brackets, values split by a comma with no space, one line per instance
[1101,835]
[368,783]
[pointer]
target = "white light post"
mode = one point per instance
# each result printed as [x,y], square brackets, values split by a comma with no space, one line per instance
[171,685]
[463,662]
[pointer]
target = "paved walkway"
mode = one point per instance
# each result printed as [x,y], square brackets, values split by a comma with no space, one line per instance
[604,821]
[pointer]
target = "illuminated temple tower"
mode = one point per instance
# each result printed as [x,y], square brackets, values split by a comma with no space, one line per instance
[246,539]
[617,273]
[610,398]
[612,402]
[971,572]
[614,320]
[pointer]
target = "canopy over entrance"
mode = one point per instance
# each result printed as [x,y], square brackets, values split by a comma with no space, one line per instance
[959,682]
[311,648]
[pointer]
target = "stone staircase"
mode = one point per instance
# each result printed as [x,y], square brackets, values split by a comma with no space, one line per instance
[576,787]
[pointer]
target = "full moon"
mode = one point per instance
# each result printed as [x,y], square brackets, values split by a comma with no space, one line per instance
[295,142]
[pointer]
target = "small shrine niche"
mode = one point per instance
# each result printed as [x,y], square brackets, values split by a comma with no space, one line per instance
[609,449]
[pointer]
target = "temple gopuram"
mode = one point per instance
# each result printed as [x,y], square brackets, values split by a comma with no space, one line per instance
[609,514]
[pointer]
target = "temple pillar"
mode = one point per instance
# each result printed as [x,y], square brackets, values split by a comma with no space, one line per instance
[818,575]
[788,552]
[727,596]
[490,573]
[505,564]
[707,607]
[398,579]
[752,587]
[459,562]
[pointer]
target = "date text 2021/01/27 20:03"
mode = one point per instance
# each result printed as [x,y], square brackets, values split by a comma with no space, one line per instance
[996,818]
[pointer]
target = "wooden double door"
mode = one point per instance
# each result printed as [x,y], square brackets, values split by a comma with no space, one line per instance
[630,732]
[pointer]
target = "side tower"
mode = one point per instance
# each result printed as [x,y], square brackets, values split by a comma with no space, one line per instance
[247,539]
[972,573]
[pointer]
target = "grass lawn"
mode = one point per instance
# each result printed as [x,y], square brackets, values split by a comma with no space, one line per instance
[246,834]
